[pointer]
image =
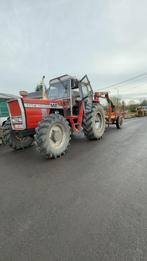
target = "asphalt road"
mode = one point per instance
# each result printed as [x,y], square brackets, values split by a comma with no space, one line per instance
[89,205]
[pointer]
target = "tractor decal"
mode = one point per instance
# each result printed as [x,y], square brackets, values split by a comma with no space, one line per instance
[42,106]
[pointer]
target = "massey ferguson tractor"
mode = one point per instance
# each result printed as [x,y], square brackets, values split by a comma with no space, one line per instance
[51,115]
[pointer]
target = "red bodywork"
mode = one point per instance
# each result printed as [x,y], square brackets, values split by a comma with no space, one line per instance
[32,111]
[26,113]
[14,108]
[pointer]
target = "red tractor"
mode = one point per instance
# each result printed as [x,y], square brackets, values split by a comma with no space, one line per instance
[69,105]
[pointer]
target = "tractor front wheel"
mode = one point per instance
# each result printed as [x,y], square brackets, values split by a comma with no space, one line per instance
[53,136]
[13,139]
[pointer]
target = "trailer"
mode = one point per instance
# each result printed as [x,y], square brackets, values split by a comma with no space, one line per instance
[113,114]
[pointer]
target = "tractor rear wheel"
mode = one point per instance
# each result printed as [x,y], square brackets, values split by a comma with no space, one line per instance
[53,136]
[94,121]
[119,122]
[13,139]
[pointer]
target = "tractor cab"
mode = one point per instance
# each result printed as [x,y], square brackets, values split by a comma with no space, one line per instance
[71,91]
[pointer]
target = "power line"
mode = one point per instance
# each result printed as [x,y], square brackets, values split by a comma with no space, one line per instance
[133,84]
[120,83]
[134,95]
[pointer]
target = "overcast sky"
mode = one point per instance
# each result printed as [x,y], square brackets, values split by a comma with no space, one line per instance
[106,39]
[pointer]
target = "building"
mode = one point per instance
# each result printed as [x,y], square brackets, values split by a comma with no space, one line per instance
[3,107]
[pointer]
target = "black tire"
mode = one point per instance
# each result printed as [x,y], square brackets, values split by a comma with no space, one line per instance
[53,136]
[119,122]
[14,140]
[3,123]
[92,114]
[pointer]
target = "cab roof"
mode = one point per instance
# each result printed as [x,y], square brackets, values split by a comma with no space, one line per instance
[62,78]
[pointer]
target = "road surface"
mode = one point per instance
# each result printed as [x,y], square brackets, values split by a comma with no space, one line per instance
[89,205]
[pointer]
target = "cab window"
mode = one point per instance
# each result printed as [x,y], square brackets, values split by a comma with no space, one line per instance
[85,90]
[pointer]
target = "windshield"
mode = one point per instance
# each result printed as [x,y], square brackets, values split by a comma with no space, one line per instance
[59,90]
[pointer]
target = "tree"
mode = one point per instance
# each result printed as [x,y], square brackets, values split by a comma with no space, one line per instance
[132,106]
[143,103]
[116,101]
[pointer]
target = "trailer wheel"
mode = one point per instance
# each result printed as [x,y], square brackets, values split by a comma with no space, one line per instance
[53,136]
[119,122]
[14,140]
[94,122]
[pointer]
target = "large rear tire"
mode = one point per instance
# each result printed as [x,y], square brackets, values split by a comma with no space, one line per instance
[53,136]
[13,139]
[94,121]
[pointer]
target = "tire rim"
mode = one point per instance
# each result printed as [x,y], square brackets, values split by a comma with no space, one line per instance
[120,121]
[57,136]
[98,121]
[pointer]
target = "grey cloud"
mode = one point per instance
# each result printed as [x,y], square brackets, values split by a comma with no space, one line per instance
[105,39]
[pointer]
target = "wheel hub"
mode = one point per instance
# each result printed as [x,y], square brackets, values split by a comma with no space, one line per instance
[98,121]
[56,135]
